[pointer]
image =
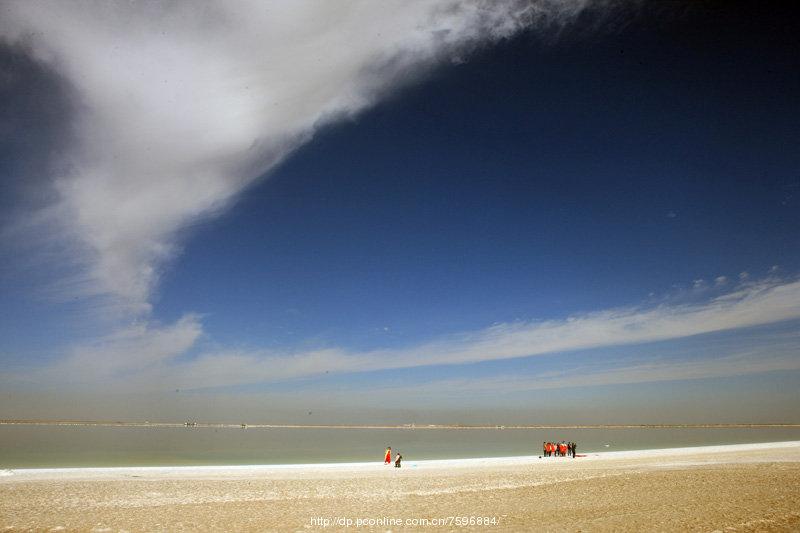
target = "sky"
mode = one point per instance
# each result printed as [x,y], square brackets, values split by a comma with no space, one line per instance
[552,211]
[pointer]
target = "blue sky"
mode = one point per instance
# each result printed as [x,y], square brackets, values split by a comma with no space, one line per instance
[600,202]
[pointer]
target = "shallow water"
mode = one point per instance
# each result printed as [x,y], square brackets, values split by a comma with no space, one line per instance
[75,446]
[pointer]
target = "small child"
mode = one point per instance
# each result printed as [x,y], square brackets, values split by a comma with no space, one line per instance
[397,460]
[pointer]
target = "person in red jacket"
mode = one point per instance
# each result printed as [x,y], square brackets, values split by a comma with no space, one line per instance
[387,459]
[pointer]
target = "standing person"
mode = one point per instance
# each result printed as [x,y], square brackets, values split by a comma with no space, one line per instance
[387,459]
[397,460]
[544,449]
[573,449]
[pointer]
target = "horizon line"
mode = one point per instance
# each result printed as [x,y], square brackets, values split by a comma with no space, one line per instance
[245,425]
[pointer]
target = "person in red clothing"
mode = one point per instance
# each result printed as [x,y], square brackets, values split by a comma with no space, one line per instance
[562,450]
[387,459]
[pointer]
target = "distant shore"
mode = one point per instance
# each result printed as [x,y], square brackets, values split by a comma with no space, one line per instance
[217,425]
[749,487]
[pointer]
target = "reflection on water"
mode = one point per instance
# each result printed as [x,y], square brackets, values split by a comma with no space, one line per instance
[61,446]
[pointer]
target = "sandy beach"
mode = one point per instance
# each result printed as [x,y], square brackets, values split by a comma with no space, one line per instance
[712,488]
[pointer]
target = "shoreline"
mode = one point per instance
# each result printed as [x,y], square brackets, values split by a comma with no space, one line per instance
[742,487]
[235,471]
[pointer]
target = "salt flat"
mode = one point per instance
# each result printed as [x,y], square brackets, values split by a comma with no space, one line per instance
[745,487]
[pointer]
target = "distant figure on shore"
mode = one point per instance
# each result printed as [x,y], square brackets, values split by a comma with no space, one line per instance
[544,449]
[569,449]
[574,447]
[387,458]
[397,460]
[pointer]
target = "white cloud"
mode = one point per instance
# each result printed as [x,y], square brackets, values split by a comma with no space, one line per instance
[184,104]
[738,364]
[127,352]
[141,357]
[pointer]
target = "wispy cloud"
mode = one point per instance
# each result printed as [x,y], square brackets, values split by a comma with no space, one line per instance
[739,364]
[129,350]
[182,105]
[148,356]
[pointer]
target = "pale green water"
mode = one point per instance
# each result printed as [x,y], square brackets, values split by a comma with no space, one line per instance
[63,446]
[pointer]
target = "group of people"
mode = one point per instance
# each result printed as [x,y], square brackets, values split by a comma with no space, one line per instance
[559,449]
[549,449]
[387,459]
